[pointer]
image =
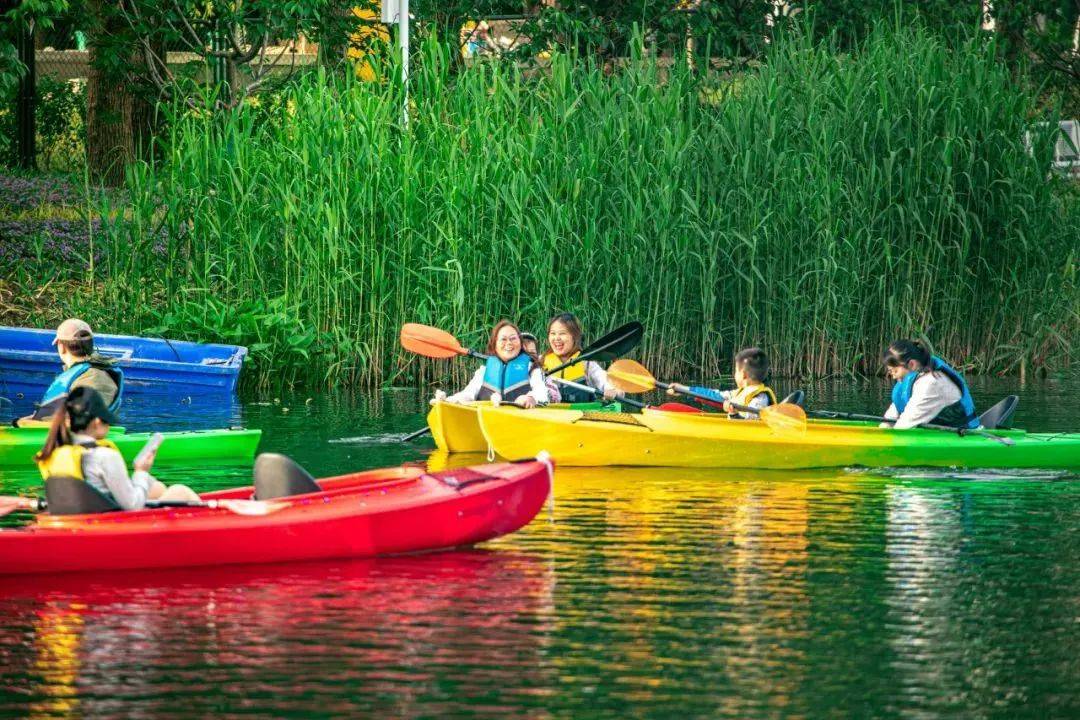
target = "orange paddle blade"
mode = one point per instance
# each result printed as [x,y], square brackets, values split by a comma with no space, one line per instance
[785,418]
[430,342]
[631,377]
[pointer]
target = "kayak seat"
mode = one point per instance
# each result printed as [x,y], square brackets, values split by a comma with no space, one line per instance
[795,398]
[278,476]
[999,416]
[68,496]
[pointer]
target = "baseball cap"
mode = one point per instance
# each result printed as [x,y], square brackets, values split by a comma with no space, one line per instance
[84,404]
[72,329]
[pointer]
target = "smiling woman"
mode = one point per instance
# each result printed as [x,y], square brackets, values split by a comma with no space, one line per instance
[508,374]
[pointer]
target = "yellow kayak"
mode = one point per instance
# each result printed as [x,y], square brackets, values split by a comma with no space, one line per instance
[659,438]
[456,427]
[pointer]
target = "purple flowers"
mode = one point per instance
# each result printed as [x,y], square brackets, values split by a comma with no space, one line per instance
[54,241]
[19,194]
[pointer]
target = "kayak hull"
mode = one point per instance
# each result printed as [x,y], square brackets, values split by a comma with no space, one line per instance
[455,427]
[665,439]
[382,512]
[195,448]
[28,363]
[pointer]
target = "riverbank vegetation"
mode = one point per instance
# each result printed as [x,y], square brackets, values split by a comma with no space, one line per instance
[818,204]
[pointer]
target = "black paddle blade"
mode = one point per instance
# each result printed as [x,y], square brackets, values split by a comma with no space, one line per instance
[616,343]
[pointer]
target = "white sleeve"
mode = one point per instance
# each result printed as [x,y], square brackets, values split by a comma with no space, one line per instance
[890,414]
[929,396]
[469,393]
[538,386]
[129,493]
[761,400]
[596,376]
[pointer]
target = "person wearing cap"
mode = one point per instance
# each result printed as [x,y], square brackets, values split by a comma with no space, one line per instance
[76,446]
[74,343]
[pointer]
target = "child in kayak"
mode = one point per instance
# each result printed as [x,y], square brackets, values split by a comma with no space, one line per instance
[76,447]
[750,370]
[564,340]
[509,375]
[927,389]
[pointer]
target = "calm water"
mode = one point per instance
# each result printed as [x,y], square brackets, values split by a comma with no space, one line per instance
[845,593]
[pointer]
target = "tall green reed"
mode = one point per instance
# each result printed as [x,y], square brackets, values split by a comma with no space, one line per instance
[819,206]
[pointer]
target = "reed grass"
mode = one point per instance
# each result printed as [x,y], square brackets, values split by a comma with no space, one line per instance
[819,206]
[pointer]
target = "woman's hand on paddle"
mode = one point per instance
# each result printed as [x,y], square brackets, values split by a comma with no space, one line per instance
[676,389]
[526,401]
[728,408]
[613,393]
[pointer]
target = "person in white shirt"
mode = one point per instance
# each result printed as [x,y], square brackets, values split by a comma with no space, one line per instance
[927,391]
[509,375]
[76,446]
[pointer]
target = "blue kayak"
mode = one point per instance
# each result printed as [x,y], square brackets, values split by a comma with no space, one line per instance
[28,363]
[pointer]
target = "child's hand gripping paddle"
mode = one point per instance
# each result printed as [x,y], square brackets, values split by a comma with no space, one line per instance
[633,377]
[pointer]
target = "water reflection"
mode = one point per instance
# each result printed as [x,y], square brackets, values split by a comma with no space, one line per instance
[395,635]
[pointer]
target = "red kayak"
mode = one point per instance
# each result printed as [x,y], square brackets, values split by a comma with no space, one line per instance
[378,512]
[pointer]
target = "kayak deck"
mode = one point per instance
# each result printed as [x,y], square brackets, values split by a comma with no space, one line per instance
[455,427]
[658,438]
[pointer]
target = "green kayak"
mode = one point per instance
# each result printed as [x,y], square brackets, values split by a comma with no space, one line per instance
[200,447]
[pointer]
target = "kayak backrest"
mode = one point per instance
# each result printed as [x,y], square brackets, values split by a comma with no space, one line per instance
[1000,415]
[278,476]
[795,398]
[68,496]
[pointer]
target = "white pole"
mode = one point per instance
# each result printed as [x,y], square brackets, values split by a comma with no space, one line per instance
[403,32]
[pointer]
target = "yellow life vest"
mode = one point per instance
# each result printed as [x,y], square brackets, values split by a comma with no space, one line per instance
[66,460]
[576,373]
[748,393]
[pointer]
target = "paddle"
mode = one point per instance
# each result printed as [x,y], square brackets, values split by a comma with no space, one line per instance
[598,393]
[434,343]
[438,344]
[633,377]
[615,344]
[836,415]
[11,503]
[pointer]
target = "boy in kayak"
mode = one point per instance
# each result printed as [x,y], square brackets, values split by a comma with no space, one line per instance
[927,389]
[510,374]
[750,370]
[76,447]
[564,341]
[83,367]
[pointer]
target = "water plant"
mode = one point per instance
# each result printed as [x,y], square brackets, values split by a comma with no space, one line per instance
[820,206]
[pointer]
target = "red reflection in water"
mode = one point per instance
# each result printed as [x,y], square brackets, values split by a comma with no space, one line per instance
[427,634]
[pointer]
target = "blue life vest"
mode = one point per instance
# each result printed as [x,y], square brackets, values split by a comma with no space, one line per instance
[959,414]
[511,380]
[63,382]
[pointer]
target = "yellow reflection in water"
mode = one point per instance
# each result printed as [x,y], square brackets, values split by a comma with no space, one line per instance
[57,636]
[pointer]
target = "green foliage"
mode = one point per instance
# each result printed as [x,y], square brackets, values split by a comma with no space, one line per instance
[820,207]
[39,12]
[61,133]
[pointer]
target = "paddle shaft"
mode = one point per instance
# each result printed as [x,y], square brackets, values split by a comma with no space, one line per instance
[597,393]
[929,426]
[706,398]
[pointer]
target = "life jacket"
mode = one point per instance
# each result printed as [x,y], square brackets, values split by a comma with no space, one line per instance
[960,414]
[575,373]
[744,395]
[510,380]
[66,460]
[61,385]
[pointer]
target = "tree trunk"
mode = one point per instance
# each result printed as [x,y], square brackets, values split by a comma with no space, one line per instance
[109,136]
